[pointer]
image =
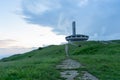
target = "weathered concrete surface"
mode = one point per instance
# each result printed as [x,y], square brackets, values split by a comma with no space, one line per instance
[69,64]
[69,74]
[69,71]
[87,76]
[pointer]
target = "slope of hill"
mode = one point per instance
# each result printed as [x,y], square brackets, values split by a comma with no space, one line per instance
[100,58]
[34,65]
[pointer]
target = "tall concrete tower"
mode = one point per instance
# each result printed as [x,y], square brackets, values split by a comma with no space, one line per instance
[74,28]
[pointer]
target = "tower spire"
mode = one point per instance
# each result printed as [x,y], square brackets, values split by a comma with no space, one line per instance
[74,28]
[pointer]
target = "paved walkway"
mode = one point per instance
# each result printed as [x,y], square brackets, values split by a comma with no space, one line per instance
[69,71]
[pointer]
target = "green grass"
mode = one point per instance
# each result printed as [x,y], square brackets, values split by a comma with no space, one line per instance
[34,65]
[102,59]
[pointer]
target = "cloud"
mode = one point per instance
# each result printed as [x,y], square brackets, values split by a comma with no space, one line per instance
[7,42]
[93,17]
[40,6]
[83,3]
[51,13]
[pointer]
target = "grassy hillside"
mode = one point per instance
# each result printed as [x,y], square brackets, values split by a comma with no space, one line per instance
[101,58]
[34,65]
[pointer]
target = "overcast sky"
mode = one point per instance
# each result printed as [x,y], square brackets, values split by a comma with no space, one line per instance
[33,23]
[97,18]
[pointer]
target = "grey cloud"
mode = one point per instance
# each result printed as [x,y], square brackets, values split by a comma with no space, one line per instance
[55,16]
[99,17]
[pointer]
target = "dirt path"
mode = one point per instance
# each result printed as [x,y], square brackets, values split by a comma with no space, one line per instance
[69,71]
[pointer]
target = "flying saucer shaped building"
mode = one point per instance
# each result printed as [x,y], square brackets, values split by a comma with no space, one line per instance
[76,37]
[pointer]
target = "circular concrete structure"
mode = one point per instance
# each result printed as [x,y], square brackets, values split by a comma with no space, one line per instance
[76,37]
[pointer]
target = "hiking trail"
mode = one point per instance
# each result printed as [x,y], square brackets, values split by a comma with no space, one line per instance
[72,70]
